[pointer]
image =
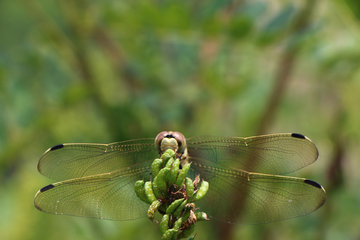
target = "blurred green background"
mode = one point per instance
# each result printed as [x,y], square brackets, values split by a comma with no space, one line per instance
[107,71]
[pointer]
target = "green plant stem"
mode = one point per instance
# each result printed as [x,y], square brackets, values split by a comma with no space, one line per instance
[174,194]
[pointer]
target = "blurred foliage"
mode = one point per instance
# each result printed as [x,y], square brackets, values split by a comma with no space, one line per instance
[106,71]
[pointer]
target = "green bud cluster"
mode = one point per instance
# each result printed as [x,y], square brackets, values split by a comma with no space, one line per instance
[173,194]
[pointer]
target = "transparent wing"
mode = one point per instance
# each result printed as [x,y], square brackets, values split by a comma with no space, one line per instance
[68,161]
[105,196]
[271,154]
[103,176]
[251,198]
[239,195]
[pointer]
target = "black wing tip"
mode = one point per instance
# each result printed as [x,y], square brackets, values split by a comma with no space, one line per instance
[48,187]
[298,135]
[312,183]
[57,147]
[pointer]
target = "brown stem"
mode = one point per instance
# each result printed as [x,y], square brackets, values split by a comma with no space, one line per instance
[285,67]
[283,74]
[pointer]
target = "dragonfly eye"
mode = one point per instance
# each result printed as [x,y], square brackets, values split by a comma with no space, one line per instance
[181,140]
[178,137]
[159,139]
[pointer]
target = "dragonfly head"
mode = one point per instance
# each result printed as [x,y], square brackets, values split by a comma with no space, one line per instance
[170,140]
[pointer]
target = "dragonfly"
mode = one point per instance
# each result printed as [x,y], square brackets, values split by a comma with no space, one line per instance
[245,175]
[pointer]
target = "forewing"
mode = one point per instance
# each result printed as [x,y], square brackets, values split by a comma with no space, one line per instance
[68,161]
[271,154]
[250,198]
[104,196]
